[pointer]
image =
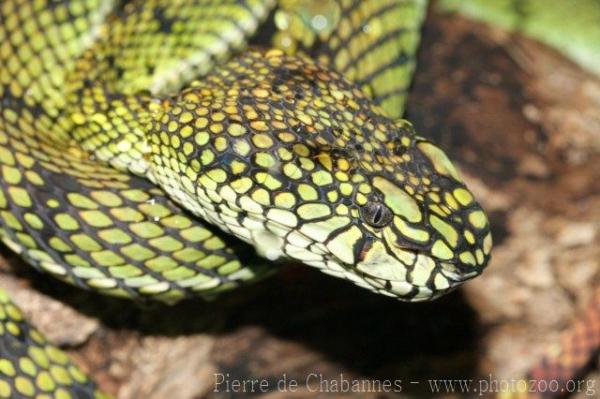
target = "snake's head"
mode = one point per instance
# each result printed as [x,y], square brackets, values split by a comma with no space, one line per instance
[300,163]
[425,233]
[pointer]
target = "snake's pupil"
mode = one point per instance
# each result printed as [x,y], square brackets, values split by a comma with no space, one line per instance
[378,215]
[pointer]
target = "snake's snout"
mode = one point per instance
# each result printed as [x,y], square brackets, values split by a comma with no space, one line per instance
[461,240]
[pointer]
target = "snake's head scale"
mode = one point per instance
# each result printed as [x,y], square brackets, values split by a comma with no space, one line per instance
[299,162]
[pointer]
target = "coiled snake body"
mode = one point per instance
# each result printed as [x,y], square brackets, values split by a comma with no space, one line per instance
[138,139]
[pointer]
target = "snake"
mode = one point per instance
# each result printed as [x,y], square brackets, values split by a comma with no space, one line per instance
[162,150]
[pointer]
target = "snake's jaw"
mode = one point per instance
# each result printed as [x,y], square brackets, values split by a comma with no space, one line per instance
[416,276]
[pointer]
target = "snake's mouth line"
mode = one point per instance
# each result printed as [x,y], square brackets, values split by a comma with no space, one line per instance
[457,278]
[385,267]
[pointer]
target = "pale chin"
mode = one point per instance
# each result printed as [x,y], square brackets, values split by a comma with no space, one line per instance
[388,277]
[423,293]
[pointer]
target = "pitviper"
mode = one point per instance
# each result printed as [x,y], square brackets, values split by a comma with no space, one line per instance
[146,152]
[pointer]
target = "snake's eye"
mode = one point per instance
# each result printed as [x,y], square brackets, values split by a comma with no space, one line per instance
[376,214]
